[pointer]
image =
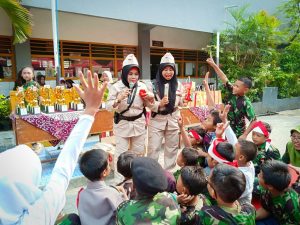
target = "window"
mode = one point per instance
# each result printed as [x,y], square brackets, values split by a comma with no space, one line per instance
[98,66]
[43,66]
[7,64]
[190,69]
[73,66]
[202,69]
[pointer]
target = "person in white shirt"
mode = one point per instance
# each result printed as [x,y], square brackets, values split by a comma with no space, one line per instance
[21,200]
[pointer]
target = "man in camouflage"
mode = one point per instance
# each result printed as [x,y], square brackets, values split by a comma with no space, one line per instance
[152,205]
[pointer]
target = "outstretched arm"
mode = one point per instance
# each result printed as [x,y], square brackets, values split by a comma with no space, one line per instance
[52,200]
[210,101]
[220,73]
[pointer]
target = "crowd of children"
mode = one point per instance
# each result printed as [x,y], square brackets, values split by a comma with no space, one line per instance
[221,177]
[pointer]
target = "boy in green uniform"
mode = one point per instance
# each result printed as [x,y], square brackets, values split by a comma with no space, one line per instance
[265,150]
[241,106]
[226,184]
[277,199]
[152,205]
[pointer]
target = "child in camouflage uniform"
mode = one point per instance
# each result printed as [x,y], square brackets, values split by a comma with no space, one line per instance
[226,184]
[277,199]
[152,205]
[241,106]
[260,136]
[190,185]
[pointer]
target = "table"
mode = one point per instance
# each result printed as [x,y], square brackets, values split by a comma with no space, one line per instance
[26,132]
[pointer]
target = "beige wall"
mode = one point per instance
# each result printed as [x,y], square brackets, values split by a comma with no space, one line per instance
[178,38]
[77,27]
[5,24]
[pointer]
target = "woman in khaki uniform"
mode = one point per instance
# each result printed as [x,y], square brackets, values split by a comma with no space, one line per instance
[128,101]
[169,94]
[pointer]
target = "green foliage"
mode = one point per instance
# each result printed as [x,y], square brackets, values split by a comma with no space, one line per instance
[4,107]
[20,17]
[249,47]
[290,58]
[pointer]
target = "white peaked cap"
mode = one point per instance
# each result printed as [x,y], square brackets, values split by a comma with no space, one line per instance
[167,58]
[130,60]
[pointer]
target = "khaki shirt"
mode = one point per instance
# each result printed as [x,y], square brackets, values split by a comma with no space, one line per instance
[128,128]
[170,120]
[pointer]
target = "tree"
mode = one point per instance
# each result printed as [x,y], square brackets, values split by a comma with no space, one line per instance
[20,17]
[291,11]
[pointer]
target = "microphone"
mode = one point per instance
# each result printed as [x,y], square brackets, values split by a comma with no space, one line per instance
[166,90]
[131,85]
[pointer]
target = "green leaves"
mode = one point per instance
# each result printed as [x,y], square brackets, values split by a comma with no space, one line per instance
[20,17]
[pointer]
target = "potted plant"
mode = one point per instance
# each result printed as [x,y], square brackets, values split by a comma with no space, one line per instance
[5,122]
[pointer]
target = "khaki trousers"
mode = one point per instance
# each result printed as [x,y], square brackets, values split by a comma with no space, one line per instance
[170,148]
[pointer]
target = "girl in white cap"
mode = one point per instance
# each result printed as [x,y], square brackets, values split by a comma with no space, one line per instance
[169,94]
[128,98]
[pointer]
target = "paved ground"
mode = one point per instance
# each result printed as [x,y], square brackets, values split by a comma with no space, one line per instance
[281,124]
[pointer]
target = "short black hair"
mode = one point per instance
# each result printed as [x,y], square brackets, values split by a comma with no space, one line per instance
[246,81]
[228,182]
[276,174]
[248,149]
[124,163]
[193,178]
[268,127]
[190,156]
[93,163]
[216,117]
[199,130]
[226,150]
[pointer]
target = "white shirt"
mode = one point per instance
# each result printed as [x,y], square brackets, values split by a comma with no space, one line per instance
[249,173]
[46,209]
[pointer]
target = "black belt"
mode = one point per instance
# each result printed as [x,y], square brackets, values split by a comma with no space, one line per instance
[131,118]
[153,114]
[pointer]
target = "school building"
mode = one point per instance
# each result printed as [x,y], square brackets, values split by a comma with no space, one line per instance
[97,35]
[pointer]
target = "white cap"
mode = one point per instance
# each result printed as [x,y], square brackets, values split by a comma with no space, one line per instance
[108,73]
[167,58]
[130,60]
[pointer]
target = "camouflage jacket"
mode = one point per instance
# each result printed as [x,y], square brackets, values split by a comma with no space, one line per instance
[188,213]
[285,208]
[215,215]
[241,108]
[264,154]
[160,209]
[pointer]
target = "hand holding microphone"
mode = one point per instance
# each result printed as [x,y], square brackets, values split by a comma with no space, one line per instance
[131,85]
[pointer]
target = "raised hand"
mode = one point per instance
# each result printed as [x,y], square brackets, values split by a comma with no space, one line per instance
[205,80]
[211,61]
[224,113]
[221,127]
[91,94]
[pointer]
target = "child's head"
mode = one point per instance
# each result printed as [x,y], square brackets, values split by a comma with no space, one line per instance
[188,157]
[69,83]
[94,164]
[27,73]
[148,176]
[124,163]
[40,79]
[241,86]
[295,137]
[245,151]
[260,132]
[211,121]
[220,152]
[226,183]
[191,181]
[196,135]
[274,176]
